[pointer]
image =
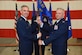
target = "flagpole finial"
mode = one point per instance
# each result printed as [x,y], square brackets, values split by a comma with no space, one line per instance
[33,1]
[50,1]
[16,3]
[68,2]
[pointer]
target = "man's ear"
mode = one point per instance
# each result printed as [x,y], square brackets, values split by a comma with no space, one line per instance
[63,14]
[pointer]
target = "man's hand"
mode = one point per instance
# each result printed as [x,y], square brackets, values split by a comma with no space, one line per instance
[39,35]
[40,42]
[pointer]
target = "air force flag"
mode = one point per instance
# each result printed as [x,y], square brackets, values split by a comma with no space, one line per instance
[69,22]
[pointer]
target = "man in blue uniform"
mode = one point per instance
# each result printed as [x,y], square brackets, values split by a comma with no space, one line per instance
[24,31]
[59,34]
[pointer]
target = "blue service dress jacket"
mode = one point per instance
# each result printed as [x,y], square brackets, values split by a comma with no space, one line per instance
[26,37]
[58,37]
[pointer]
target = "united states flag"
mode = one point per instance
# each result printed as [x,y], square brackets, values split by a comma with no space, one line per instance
[7,15]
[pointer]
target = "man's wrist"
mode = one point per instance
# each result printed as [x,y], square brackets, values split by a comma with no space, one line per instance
[41,25]
[38,36]
[43,43]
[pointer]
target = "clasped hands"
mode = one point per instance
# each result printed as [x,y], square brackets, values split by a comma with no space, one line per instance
[40,42]
[38,20]
[39,36]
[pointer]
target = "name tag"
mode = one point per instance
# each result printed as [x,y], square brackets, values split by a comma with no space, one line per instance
[56,27]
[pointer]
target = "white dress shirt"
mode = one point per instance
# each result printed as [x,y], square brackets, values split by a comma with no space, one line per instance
[24,17]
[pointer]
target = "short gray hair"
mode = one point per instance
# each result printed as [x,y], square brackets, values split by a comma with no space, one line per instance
[24,6]
[60,9]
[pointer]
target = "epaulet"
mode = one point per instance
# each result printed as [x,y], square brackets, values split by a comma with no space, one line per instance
[20,19]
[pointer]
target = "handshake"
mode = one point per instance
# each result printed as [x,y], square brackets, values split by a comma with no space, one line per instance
[40,42]
[39,36]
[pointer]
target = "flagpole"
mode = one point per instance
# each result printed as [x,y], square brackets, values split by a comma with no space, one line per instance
[40,50]
[16,18]
[50,10]
[67,8]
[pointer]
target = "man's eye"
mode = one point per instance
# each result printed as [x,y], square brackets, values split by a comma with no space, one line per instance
[24,10]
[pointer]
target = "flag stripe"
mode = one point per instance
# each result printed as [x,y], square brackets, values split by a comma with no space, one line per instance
[7,33]
[77,33]
[7,15]
[10,33]
[10,5]
[48,0]
[10,14]
[9,23]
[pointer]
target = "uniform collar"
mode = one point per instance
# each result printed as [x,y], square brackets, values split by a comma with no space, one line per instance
[24,17]
[59,20]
